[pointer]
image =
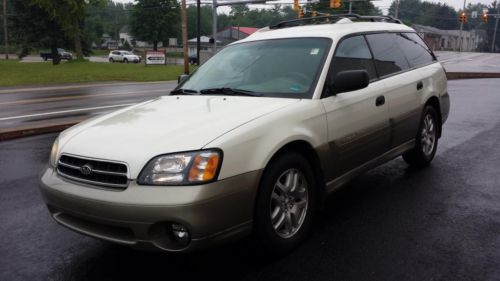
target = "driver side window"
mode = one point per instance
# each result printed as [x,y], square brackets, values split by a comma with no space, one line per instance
[353,54]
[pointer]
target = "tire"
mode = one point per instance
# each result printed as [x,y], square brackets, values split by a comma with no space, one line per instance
[125,60]
[426,141]
[283,233]
[111,60]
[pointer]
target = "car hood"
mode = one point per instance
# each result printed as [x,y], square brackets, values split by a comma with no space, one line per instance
[165,125]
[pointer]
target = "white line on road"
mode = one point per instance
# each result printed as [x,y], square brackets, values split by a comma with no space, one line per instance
[9,91]
[63,98]
[65,111]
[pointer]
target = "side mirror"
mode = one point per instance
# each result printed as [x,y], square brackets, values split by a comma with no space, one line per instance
[350,80]
[182,78]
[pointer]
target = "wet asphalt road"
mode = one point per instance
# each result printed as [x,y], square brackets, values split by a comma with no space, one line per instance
[440,223]
[23,107]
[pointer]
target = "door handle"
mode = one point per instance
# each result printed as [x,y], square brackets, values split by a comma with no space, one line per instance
[380,101]
[420,85]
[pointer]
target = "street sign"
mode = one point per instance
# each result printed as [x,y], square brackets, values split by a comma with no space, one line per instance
[155,57]
[473,15]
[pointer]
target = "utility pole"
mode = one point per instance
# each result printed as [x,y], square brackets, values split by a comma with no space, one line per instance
[350,7]
[460,39]
[184,36]
[198,32]
[5,34]
[396,10]
[214,25]
[497,16]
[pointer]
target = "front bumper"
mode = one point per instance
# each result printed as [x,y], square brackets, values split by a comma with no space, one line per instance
[139,216]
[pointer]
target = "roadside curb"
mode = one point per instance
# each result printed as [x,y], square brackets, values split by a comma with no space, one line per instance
[35,130]
[471,75]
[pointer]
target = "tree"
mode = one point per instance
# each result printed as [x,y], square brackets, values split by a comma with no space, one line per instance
[205,20]
[109,17]
[155,20]
[33,28]
[70,15]
[437,15]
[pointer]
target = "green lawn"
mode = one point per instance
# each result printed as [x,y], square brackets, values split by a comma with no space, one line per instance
[13,73]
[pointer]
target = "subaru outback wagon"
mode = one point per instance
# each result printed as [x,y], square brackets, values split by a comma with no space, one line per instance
[254,138]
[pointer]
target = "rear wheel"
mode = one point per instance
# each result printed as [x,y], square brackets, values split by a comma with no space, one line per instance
[125,60]
[426,141]
[285,204]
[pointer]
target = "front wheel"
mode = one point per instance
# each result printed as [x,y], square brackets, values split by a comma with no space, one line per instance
[426,141]
[285,204]
[111,60]
[125,60]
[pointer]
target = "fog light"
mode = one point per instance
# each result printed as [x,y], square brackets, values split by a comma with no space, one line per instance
[180,233]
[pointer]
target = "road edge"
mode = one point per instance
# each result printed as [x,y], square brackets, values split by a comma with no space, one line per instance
[35,130]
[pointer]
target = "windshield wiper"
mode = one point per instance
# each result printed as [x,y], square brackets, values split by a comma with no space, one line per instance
[183,92]
[229,92]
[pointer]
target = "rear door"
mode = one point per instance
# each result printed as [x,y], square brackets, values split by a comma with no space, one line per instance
[358,125]
[403,85]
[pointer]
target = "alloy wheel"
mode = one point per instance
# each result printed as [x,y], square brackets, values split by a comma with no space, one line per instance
[289,202]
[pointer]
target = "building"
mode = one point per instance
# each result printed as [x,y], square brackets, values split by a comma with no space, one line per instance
[224,37]
[449,40]
[234,33]
[205,45]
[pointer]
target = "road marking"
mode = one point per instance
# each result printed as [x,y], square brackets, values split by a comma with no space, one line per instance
[65,111]
[80,97]
[8,91]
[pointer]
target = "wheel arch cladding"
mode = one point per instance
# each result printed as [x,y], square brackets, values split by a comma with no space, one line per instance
[305,149]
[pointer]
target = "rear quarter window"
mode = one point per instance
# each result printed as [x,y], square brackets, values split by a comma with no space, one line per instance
[389,58]
[415,50]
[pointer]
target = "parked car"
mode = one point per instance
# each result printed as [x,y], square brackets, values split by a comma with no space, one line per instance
[254,139]
[193,59]
[65,55]
[123,56]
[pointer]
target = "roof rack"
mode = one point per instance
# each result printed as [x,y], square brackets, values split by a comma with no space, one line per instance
[333,19]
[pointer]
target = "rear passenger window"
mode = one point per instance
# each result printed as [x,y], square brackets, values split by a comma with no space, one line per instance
[414,49]
[353,54]
[389,57]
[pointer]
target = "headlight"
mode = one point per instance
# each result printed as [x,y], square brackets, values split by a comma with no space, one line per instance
[182,168]
[53,153]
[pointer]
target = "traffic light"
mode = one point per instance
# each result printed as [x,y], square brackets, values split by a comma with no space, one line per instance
[296,6]
[463,17]
[314,14]
[485,17]
[301,13]
[335,4]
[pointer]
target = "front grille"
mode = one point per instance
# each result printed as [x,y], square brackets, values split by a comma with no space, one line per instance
[97,172]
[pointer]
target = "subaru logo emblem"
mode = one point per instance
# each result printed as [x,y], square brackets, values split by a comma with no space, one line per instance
[86,169]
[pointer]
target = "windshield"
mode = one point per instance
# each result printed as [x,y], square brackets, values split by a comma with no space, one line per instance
[277,68]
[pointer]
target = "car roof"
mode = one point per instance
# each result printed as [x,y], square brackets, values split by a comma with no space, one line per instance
[334,31]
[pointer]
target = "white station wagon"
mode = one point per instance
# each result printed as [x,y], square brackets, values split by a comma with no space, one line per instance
[254,139]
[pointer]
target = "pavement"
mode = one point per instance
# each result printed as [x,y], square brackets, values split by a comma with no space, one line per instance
[24,111]
[469,61]
[392,223]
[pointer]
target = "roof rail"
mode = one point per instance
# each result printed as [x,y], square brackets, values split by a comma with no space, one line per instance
[332,19]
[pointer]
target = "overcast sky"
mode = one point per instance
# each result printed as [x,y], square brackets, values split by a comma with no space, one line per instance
[382,4]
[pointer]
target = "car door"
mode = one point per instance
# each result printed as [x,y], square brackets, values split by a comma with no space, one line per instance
[358,121]
[403,83]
